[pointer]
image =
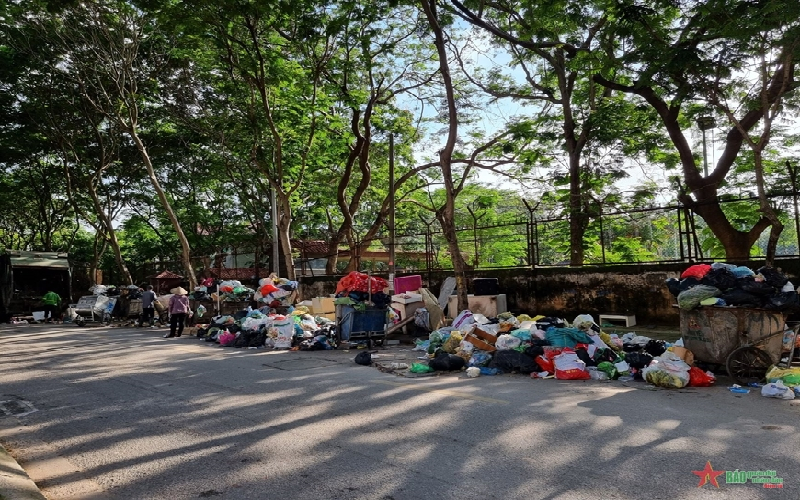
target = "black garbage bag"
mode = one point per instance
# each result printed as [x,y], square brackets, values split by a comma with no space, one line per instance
[688,283]
[363,358]
[784,301]
[513,361]
[740,298]
[584,356]
[607,355]
[627,347]
[773,277]
[533,351]
[750,285]
[638,360]
[720,277]
[259,338]
[655,347]
[447,362]
[244,338]
[674,286]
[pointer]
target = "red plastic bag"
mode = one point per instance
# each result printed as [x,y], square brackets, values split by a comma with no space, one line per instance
[696,271]
[545,364]
[226,289]
[699,378]
[268,289]
[573,374]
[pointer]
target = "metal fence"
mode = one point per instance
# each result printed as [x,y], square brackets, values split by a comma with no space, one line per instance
[528,240]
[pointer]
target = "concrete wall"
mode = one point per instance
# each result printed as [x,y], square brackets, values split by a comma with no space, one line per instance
[567,292]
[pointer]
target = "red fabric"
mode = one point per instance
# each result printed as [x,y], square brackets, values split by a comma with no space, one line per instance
[699,378]
[696,271]
[360,282]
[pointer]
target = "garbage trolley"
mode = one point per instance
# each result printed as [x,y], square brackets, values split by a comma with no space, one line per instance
[356,325]
[746,341]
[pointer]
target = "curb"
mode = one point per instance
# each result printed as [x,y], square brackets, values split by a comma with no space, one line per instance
[15,484]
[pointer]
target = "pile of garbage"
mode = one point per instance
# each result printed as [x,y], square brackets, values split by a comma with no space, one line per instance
[263,328]
[549,347]
[359,290]
[273,291]
[727,285]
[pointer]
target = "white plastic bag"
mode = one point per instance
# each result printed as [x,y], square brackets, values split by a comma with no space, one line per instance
[284,331]
[506,341]
[463,320]
[777,390]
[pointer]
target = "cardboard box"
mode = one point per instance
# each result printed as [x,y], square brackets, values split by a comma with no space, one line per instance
[487,305]
[322,305]
[479,343]
[685,354]
[407,298]
[483,335]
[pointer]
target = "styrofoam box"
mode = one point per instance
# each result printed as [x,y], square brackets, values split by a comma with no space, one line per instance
[407,298]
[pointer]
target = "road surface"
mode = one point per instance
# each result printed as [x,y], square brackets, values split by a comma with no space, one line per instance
[120,413]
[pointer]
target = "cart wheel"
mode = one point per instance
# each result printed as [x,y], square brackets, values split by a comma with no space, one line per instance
[748,364]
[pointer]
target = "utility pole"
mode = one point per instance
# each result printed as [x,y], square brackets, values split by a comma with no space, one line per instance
[391,214]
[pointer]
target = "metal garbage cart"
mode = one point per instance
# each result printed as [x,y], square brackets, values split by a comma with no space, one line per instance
[746,341]
[355,325]
[94,308]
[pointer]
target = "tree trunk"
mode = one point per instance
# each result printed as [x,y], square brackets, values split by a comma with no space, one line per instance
[446,214]
[577,216]
[185,250]
[284,234]
[112,236]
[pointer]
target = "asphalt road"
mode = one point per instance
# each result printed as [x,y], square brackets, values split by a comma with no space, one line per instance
[113,413]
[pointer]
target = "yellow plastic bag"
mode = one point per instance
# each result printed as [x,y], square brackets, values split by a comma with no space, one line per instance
[789,376]
[453,342]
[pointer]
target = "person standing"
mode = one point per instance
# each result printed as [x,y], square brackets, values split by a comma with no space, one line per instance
[148,307]
[52,306]
[178,309]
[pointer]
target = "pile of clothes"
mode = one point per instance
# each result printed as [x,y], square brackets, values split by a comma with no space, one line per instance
[721,284]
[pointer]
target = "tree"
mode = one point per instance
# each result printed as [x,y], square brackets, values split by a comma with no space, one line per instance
[114,54]
[678,56]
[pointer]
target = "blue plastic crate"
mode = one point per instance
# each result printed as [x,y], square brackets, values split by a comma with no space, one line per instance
[354,322]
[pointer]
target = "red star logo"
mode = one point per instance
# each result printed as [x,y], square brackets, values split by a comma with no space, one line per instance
[708,475]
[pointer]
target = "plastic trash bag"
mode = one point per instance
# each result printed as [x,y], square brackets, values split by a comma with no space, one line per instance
[420,368]
[720,278]
[608,368]
[505,342]
[512,361]
[741,298]
[773,277]
[226,338]
[363,358]
[473,371]
[463,320]
[655,347]
[789,376]
[777,390]
[569,367]
[638,360]
[784,301]
[699,378]
[690,299]
[447,362]
[452,343]
[696,271]
[566,337]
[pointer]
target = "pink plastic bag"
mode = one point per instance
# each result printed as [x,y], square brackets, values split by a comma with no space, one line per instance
[226,338]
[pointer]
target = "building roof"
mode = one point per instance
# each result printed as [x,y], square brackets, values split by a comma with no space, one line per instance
[168,275]
[43,260]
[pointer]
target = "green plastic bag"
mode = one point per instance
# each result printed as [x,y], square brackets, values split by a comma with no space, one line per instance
[420,368]
[608,368]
